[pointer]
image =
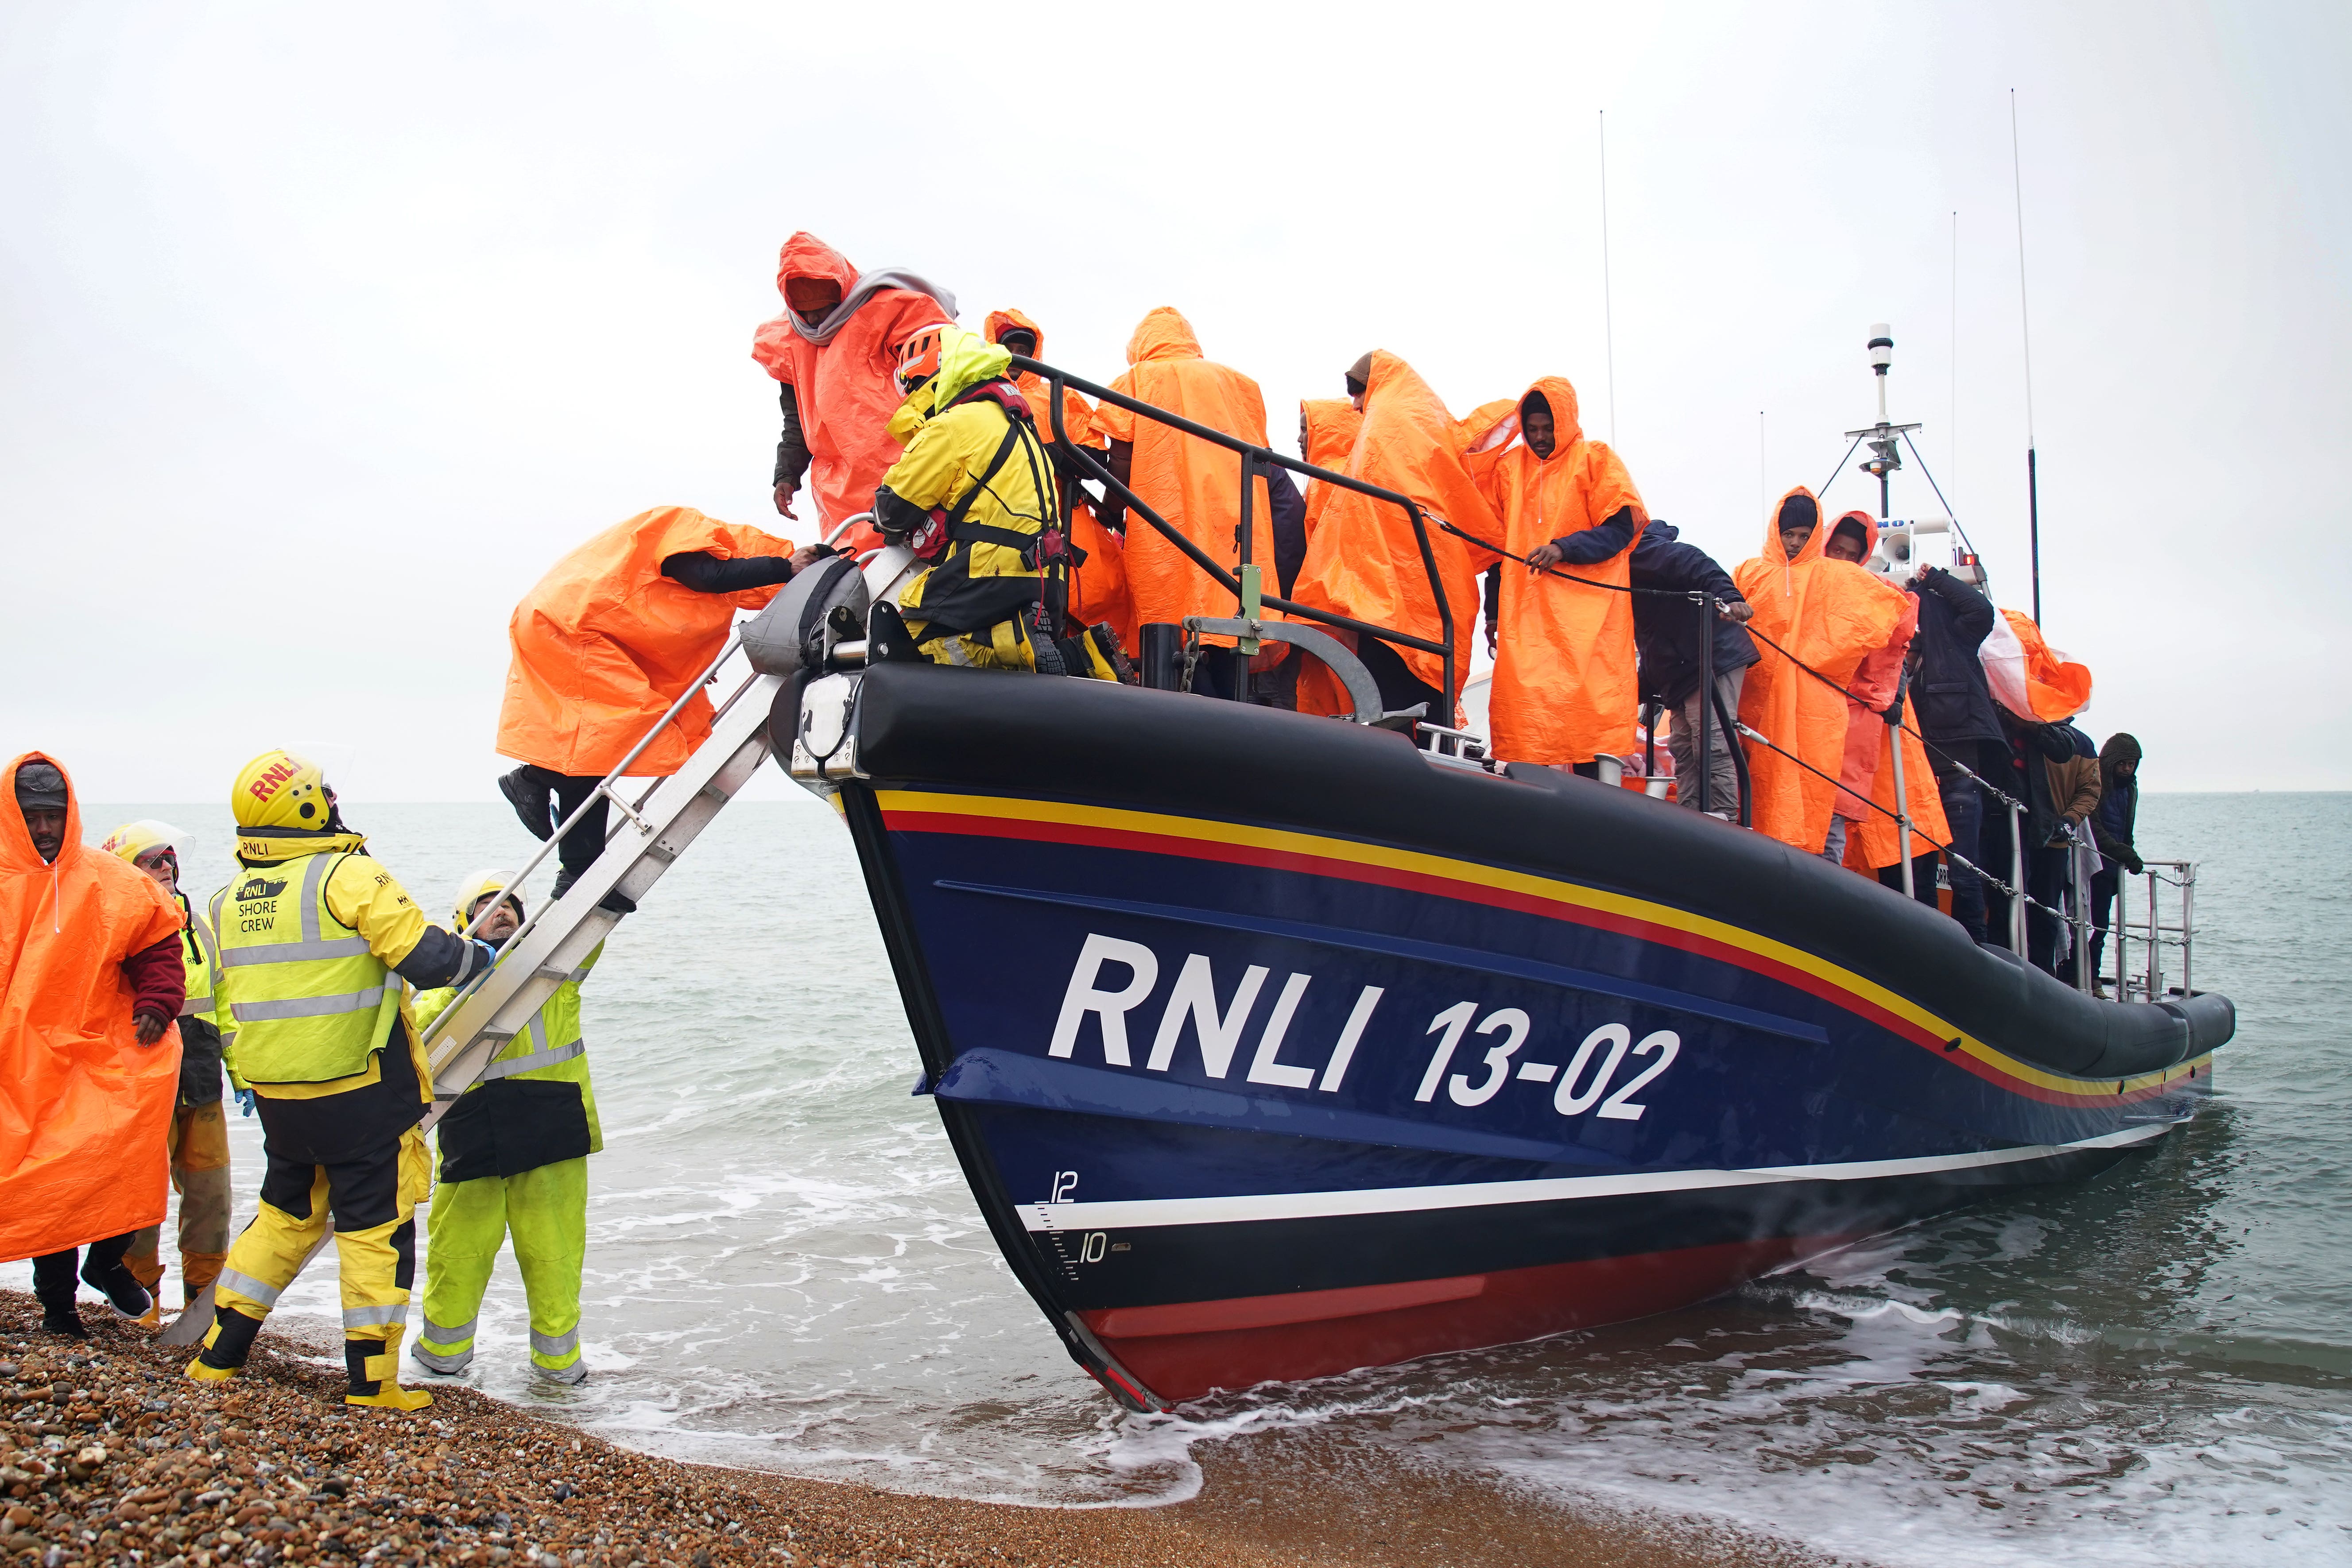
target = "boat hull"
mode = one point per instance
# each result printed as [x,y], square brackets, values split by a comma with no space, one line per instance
[1249,1096]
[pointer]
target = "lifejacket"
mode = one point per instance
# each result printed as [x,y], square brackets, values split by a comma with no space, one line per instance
[199,958]
[1037,636]
[499,1128]
[307,1001]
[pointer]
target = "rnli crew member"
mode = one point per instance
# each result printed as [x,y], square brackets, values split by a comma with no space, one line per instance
[973,497]
[312,934]
[196,1143]
[89,983]
[616,633]
[1097,591]
[514,1164]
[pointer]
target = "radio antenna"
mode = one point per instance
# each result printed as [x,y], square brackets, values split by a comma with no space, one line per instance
[2025,327]
[1608,305]
[1954,439]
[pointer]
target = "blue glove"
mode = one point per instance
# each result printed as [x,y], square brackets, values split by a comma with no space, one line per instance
[485,954]
[245,1102]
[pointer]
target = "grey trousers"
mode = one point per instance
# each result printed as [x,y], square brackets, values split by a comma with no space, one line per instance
[1681,740]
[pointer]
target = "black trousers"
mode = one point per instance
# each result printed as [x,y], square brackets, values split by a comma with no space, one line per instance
[1398,686]
[2105,883]
[586,840]
[1923,879]
[55,1273]
[2048,947]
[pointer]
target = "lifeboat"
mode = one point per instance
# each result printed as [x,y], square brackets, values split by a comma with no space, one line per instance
[1274,1045]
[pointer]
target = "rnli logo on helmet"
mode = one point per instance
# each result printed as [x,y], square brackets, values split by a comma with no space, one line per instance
[261,887]
[275,775]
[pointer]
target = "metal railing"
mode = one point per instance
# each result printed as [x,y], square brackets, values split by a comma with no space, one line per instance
[1244,582]
[2157,934]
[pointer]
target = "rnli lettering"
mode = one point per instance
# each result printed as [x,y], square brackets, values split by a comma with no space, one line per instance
[266,783]
[261,887]
[1217,1025]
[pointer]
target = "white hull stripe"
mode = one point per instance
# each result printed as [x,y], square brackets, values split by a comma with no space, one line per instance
[1141,1213]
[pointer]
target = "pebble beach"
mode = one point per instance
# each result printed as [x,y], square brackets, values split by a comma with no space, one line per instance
[107,1455]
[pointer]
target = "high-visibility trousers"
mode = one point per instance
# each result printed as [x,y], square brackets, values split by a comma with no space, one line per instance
[546,1213]
[373,1200]
[197,1145]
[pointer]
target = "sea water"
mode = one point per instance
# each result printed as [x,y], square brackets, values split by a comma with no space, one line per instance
[786,1272]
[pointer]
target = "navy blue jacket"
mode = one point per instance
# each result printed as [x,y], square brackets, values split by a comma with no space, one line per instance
[1666,631]
[1950,694]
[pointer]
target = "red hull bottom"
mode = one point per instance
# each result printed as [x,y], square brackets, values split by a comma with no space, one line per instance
[1182,1351]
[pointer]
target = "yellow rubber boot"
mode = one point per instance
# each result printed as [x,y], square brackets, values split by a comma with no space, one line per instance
[226,1344]
[375,1366]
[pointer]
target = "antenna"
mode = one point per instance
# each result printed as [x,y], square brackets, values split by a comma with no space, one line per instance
[1763,484]
[1608,305]
[2025,327]
[1955,426]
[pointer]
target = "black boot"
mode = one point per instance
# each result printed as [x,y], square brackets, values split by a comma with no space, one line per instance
[119,1285]
[532,799]
[616,901]
[60,1316]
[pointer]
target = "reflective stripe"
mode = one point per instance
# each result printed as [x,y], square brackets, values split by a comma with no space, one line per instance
[435,1361]
[440,1334]
[534,1061]
[195,1005]
[246,1285]
[373,1317]
[295,952]
[555,1344]
[308,1006]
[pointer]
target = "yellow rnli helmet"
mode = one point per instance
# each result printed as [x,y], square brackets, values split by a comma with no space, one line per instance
[476,887]
[280,789]
[133,840]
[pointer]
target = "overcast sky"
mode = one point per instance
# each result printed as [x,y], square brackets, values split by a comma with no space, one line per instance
[324,331]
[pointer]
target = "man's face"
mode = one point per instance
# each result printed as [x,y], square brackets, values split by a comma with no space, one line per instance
[1846,545]
[162,865]
[498,922]
[1302,433]
[2126,771]
[1792,540]
[1534,424]
[1020,342]
[47,826]
[812,295]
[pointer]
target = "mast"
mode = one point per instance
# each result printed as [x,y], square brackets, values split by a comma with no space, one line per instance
[2025,328]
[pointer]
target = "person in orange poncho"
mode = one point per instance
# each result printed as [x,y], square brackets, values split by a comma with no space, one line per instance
[1827,615]
[1098,591]
[1326,435]
[614,633]
[836,349]
[1195,486]
[90,982]
[1364,561]
[1863,829]
[1567,689]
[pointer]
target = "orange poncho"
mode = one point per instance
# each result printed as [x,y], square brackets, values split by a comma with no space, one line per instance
[1829,614]
[847,390]
[1363,560]
[1330,425]
[84,1108]
[1565,682]
[606,643]
[1099,589]
[1865,795]
[1196,488]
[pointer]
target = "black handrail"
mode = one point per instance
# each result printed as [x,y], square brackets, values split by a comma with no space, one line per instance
[1253,457]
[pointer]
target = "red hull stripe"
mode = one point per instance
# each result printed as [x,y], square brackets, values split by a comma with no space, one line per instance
[1501,1308]
[1824,982]
[1288,1306]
